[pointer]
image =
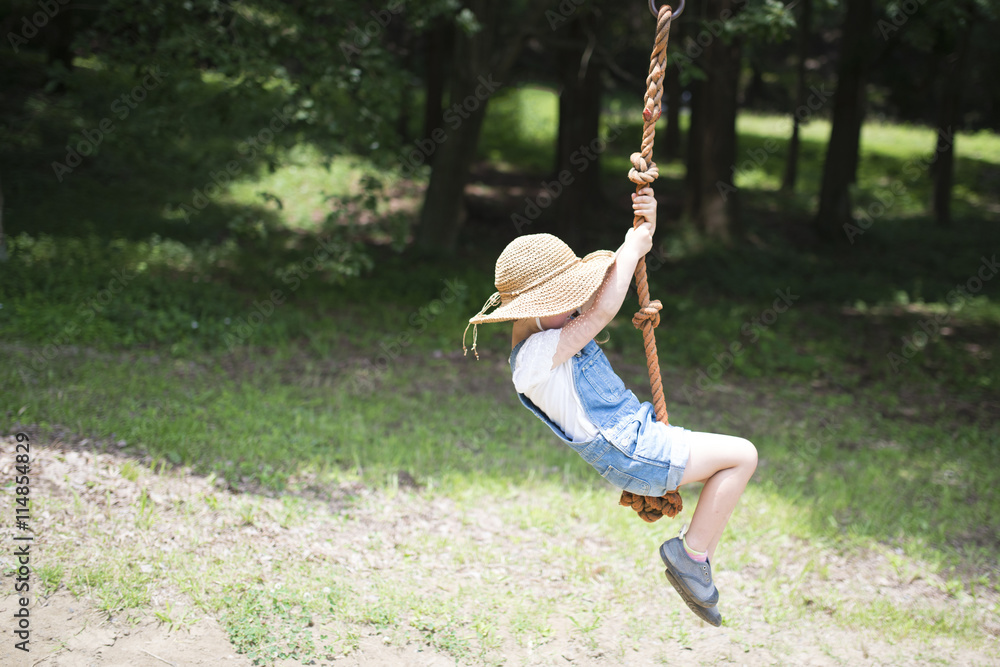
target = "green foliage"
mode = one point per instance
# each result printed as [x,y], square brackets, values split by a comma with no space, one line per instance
[261,49]
[769,22]
[267,626]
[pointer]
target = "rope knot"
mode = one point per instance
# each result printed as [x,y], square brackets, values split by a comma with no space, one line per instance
[648,315]
[652,509]
[641,172]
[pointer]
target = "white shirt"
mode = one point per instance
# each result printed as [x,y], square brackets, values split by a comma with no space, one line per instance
[552,389]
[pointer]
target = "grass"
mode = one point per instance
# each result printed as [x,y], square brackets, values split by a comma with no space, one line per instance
[373,570]
[114,584]
[353,378]
[834,453]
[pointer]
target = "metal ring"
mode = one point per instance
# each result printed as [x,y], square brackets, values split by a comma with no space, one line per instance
[656,12]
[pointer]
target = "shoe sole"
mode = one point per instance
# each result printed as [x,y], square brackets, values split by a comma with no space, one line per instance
[675,580]
[701,612]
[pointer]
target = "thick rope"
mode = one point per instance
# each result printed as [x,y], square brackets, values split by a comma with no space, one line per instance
[644,172]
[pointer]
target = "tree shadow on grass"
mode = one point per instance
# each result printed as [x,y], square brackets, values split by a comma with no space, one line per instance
[94,160]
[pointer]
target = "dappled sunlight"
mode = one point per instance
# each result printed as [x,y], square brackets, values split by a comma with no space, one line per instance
[301,186]
[308,188]
[770,125]
[520,129]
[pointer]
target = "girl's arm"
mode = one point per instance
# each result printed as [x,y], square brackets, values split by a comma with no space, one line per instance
[610,296]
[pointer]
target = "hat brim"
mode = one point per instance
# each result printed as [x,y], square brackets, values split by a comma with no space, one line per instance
[562,293]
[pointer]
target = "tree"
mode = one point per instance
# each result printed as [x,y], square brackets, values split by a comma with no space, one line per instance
[436,51]
[955,32]
[711,60]
[792,161]
[931,49]
[672,91]
[3,239]
[841,162]
[712,202]
[489,38]
[948,122]
[579,125]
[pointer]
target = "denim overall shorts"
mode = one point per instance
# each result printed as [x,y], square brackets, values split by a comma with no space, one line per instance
[632,451]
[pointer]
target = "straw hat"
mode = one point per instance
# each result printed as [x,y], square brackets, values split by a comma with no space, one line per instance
[538,275]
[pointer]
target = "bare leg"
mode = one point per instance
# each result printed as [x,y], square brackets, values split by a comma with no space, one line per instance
[725,463]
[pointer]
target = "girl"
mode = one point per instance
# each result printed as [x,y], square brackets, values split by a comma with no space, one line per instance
[558,302]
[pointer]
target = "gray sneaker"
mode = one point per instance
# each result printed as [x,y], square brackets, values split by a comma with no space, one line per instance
[693,580]
[710,615]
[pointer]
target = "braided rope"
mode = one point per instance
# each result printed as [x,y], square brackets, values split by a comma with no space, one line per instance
[644,171]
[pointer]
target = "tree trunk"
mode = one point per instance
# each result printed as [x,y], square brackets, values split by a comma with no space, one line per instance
[443,212]
[480,65]
[948,122]
[579,130]
[435,53]
[792,162]
[3,239]
[712,201]
[695,151]
[672,91]
[59,35]
[403,119]
[754,92]
[841,164]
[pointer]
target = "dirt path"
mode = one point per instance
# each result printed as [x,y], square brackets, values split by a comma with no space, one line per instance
[69,632]
[521,588]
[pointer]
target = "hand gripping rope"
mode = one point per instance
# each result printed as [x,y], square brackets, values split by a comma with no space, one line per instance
[644,172]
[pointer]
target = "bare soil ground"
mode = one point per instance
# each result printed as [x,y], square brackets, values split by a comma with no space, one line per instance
[594,607]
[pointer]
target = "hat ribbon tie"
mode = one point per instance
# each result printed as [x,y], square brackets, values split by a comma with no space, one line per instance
[491,302]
